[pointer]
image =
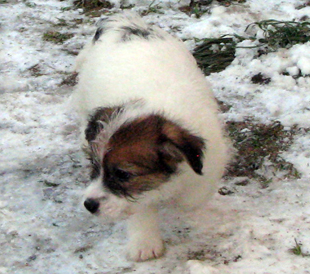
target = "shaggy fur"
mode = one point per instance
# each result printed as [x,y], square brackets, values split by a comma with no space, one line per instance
[151,127]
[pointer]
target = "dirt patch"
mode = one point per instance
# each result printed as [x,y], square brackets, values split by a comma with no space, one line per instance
[93,8]
[88,5]
[56,37]
[199,7]
[260,79]
[258,143]
[36,70]
[70,80]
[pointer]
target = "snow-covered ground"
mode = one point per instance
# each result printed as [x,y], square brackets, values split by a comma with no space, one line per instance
[43,226]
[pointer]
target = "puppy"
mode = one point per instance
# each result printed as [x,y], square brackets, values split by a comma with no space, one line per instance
[152,129]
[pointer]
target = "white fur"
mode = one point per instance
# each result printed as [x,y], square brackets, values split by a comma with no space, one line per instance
[162,76]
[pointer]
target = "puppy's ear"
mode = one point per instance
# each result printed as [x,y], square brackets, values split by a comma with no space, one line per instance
[179,143]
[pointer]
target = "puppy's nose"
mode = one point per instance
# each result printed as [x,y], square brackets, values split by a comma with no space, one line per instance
[91,205]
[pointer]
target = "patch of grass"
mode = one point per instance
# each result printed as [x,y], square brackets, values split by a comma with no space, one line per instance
[56,37]
[125,7]
[29,4]
[230,2]
[256,143]
[200,7]
[296,250]
[215,54]
[283,34]
[65,24]
[90,5]
[198,11]
[61,23]
[4,1]
[66,8]
[152,8]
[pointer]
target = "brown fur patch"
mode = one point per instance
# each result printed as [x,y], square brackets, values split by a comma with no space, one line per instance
[144,153]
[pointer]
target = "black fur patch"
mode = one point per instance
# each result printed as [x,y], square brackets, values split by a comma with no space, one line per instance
[98,34]
[95,168]
[130,31]
[100,114]
[101,29]
[93,128]
[127,33]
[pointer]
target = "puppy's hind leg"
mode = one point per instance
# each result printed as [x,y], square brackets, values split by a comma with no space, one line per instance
[144,235]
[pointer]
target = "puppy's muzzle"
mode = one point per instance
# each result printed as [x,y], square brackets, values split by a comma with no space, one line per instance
[91,205]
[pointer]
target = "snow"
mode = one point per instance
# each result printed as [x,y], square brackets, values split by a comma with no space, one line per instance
[43,226]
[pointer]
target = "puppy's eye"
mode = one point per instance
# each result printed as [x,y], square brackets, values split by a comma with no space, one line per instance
[122,175]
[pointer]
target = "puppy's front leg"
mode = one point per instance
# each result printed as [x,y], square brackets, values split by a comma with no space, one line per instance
[144,235]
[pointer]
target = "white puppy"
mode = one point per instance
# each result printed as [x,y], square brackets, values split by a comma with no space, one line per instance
[151,126]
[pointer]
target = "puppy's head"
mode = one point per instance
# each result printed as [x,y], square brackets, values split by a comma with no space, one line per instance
[142,154]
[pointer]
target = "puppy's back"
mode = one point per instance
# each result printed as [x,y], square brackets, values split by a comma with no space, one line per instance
[129,59]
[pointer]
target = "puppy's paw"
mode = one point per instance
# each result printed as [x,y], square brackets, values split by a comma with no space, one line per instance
[140,250]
